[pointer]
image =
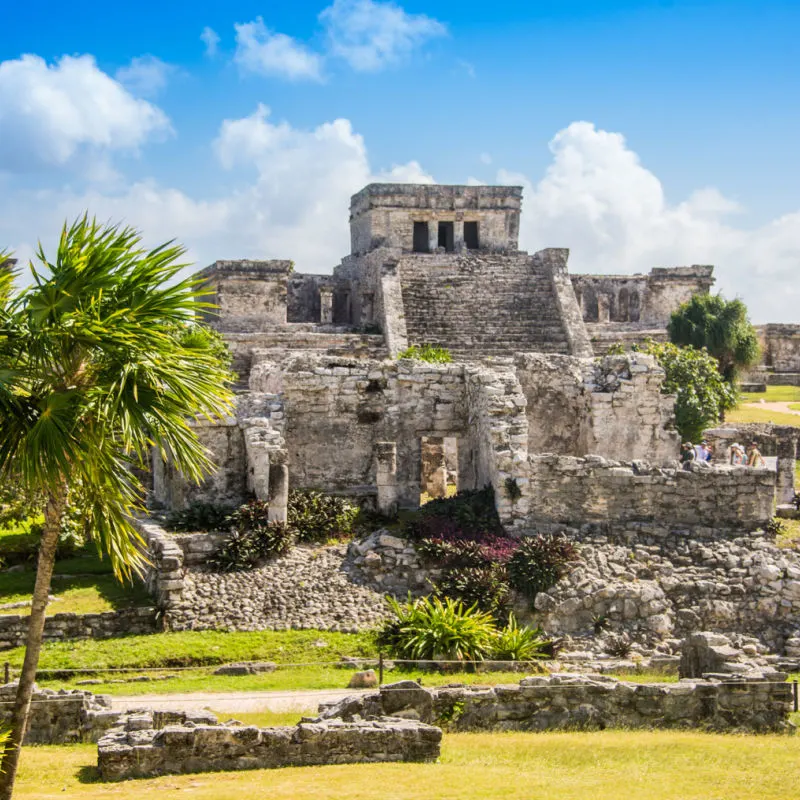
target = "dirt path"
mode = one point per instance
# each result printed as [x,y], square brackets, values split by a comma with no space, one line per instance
[783,407]
[231,702]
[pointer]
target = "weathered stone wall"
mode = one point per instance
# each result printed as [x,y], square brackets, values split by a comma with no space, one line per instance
[63,717]
[61,627]
[139,749]
[611,407]
[250,295]
[604,336]
[644,299]
[303,297]
[585,702]
[383,215]
[224,439]
[567,490]
[337,410]
[780,347]
[657,581]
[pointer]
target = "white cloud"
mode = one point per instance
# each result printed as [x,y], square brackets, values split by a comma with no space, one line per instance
[370,35]
[597,199]
[294,206]
[210,38]
[53,114]
[145,75]
[467,67]
[262,52]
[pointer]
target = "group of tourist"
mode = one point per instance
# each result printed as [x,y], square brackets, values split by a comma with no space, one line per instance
[705,452]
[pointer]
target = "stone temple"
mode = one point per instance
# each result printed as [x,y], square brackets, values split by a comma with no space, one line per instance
[325,402]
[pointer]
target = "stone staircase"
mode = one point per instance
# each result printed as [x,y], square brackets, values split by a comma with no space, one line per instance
[481,305]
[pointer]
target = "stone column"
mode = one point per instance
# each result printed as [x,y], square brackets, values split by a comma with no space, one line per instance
[386,476]
[433,235]
[258,459]
[367,306]
[434,467]
[787,454]
[278,486]
[326,305]
[458,236]
[603,308]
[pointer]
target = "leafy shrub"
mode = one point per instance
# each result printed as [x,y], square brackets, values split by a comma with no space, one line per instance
[201,517]
[471,512]
[452,549]
[702,395]
[775,527]
[515,643]
[432,629]
[485,587]
[427,352]
[316,517]
[245,549]
[539,562]
[618,645]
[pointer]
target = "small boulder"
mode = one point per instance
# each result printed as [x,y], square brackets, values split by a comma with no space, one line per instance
[367,679]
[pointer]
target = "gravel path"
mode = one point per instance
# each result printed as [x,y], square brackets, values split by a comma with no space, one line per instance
[232,702]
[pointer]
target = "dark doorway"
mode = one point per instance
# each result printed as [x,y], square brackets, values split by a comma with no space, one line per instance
[471,235]
[446,237]
[421,238]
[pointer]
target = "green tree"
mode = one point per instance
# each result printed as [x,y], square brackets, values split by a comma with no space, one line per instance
[722,327]
[99,364]
[693,376]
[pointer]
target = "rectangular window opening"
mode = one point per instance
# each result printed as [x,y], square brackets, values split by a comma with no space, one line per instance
[471,235]
[421,238]
[446,237]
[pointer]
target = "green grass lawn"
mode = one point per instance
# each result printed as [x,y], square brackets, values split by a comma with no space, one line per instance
[312,650]
[608,765]
[82,584]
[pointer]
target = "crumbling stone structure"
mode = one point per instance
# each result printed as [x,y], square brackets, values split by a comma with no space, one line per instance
[153,743]
[756,702]
[61,717]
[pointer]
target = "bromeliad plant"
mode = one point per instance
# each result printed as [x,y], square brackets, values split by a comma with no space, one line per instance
[100,362]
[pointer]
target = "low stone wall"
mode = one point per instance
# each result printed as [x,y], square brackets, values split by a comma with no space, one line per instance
[140,749]
[164,574]
[14,627]
[586,702]
[565,490]
[63,717]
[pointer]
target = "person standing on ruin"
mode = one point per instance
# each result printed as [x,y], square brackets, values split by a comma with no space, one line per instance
[687,455]
[754,457]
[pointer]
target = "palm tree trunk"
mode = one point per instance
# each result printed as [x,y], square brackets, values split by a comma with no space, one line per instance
[56,502]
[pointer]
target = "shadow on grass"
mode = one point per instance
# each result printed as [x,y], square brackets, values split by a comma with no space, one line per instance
[88,774]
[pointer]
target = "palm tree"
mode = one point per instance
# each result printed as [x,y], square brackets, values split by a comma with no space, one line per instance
[99,364]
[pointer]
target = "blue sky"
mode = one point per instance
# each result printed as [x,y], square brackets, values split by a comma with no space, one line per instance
[645,133]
